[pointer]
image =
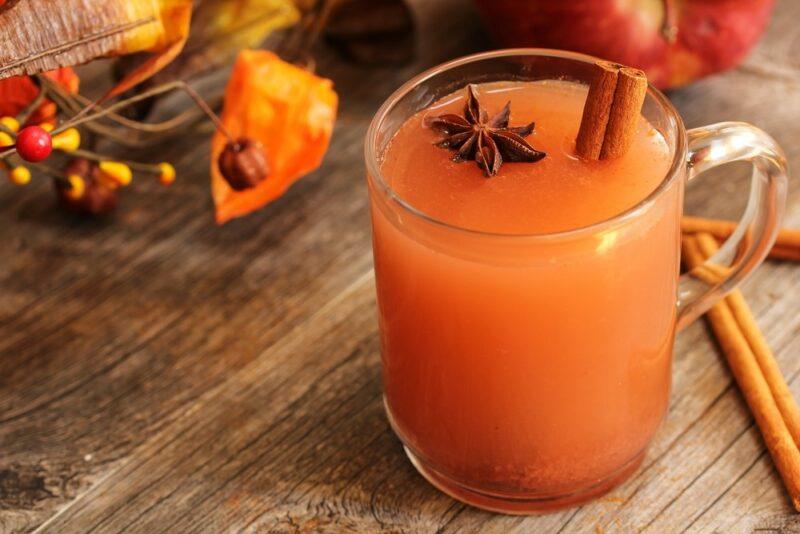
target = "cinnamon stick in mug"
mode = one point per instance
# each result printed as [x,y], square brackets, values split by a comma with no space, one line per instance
[611,113]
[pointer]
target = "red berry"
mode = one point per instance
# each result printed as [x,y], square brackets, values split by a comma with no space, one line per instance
[34,144]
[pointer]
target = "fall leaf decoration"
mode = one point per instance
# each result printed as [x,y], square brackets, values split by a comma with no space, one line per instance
[88,183]
[277,116]
[5,4]
[19,92]
[43,35]
[220,28]
[285,108]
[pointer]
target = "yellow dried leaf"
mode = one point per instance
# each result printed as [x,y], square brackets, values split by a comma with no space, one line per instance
[220,28]
[244,23]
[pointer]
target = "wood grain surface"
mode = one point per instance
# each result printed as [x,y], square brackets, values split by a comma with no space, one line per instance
[159,373]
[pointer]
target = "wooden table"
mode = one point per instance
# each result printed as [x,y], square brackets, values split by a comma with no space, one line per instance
[161,373]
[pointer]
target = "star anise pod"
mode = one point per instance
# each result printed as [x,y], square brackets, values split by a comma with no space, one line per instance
[488,141]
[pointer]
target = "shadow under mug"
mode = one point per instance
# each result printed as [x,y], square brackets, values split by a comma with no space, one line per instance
[529,372]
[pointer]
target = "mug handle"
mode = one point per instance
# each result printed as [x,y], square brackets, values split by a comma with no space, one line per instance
[718,144]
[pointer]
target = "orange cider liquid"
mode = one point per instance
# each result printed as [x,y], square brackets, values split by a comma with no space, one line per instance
[514,363]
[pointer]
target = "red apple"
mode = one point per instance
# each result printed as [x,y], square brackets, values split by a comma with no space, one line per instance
[673,41]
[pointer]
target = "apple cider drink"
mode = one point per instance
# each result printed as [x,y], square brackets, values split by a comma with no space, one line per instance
[522,372]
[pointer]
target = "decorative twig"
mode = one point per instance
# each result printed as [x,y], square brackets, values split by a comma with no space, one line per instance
[75,103]
[303,36]
[50,171]
[61,98]
[31,108]
[66,103]
[181,119]
[180,85]
[135,165]
[91,156]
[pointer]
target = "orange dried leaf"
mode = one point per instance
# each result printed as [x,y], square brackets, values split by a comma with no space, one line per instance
[42,35]
[289,110]
[17,92]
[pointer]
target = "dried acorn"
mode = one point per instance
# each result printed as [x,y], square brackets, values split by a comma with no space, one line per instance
[243,163]
[92,196]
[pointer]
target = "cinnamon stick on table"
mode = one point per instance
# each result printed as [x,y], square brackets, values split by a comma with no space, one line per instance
[754,368]
[766,360]
[787,245]
[611,113]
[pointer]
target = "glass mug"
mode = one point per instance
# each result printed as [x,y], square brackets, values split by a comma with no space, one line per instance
[529,372]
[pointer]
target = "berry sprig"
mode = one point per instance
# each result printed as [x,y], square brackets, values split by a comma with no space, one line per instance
[34,144]
[89,181]
[243,162]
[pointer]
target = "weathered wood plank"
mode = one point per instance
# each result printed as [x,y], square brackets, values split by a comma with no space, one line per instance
[264,412]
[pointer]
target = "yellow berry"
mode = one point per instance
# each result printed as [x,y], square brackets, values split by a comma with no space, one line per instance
[11,123]
[167,175]
[20,175]
[6,140]
[77,187]
[48,126]
[67,141]
[116,172]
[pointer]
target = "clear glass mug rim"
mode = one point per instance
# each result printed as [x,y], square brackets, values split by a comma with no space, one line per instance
[679,161]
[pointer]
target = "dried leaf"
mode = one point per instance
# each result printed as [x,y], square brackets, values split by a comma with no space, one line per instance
[42,35]
[17,92]
[289,110]
[223,27]
[6,4]
[220,28]
[147,69]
